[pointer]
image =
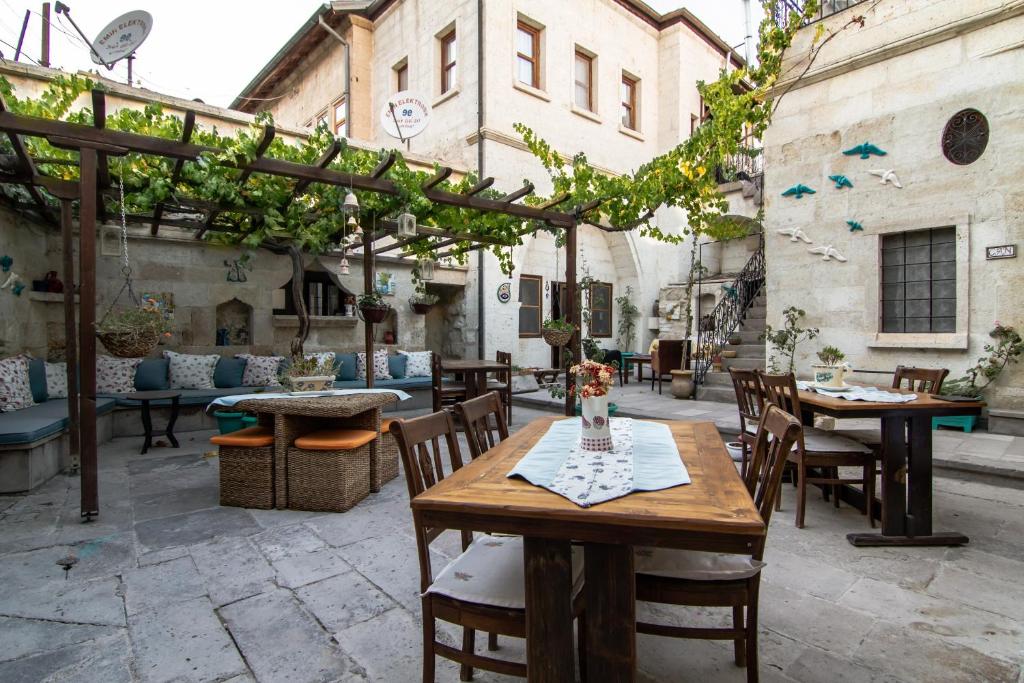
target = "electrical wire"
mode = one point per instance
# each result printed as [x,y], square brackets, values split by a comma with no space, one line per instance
[23,54]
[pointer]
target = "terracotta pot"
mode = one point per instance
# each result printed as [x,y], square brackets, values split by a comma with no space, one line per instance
[421,309]
[682,383]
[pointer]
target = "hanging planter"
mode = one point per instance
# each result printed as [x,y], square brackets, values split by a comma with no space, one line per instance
[421,303]
[373,309]
[557,332]
[133,333]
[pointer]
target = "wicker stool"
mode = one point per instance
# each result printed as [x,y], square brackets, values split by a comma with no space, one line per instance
[247,468]
[329,470]
[384,463]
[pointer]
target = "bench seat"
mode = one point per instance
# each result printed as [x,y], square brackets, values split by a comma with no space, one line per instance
[31,424]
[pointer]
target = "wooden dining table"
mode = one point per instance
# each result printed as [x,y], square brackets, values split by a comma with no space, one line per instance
[714,512]
[906,507]
[475,373]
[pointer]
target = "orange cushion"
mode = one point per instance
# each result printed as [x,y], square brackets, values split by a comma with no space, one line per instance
[251,437]
[335,439]
[385,426]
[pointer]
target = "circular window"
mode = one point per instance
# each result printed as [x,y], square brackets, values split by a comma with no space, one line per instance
[965,137]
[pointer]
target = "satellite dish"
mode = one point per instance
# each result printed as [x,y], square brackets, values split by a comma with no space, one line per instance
[121,37]
[405,115]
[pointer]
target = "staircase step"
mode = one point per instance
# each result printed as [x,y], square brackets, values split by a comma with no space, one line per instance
[757,313]
[748,350]
[718,379]
[716,393]
[749,336]
[745,363]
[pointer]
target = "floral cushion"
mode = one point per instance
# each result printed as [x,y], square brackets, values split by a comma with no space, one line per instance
[115,375]
[380,365]
[57,380]
[418,364]
[187,371]
[260,371]
[15,389]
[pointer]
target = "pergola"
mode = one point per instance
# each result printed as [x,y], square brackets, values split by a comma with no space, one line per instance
[96,144]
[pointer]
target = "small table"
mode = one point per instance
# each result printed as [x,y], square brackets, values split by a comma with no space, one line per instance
[475,372]
[145,397]
[640,359]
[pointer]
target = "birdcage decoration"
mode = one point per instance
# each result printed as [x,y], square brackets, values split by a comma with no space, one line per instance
[406,225]
[426,268]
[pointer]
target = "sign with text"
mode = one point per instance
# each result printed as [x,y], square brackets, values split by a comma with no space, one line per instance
[121,37]
[405,115]
[1002,251]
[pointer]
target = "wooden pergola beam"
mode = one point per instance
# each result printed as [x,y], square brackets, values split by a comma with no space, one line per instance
[555,201]
[28,168]
[480,187]
[442,175]
[385,164]
[186,135]
[518,194]
[269,132]
[329,155]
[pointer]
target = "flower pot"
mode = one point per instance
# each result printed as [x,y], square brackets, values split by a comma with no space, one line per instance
[374,314]
[682,383]
[229,421]
[313,383]
[595,434]
[735,340]
[421,309]
[830,375]
[735,449]
[557,337]
[726,353]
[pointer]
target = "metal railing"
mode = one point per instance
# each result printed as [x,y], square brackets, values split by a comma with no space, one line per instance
[826,8]
[746,164]
[714,330]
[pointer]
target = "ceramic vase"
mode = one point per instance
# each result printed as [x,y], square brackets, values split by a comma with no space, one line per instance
[595,434]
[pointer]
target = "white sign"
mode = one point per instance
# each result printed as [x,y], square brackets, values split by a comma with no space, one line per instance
[405,115]
[121,37]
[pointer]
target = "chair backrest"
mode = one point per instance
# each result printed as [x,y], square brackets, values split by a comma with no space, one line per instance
[505,358]
[781,391]
[669,356]
[476,417]
[776,433]
[924,380]
[748,396]
[613,356]
[420,442]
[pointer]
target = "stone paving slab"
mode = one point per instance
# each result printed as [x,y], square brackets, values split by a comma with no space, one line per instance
[104,660]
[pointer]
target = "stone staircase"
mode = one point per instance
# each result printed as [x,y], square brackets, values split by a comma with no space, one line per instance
[750,354]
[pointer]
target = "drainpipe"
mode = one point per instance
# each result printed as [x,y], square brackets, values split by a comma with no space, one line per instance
[480,256]
[748,39]
[348,74]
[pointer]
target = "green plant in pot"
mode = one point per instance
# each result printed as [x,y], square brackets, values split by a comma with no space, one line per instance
[309,374]
[831,371]
[421,302]
[557,332]
[373,308]
[1007,348]
[785,340]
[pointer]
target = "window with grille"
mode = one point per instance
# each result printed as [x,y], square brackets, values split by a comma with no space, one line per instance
[530,304]
[919,281]
[600,309]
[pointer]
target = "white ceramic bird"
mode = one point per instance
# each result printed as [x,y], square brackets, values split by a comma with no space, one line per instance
[888,175]
[827,253]
[795,234]
[11,280]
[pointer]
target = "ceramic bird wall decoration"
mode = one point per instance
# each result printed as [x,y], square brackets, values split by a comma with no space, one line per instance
[841,181]
[730,292]
[888,175]
[865,150]
[827,253]
[13,281]
[795,234]
[798,191]
[6,262]
[855,226]
[18,286]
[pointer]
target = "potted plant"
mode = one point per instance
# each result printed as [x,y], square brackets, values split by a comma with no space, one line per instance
[421,302]
[309,374]
[373,308]
[557,332]
[735,339]
[350,305]
[1007,349]
[831,371]
[784,341]
[716,363]
[133,332]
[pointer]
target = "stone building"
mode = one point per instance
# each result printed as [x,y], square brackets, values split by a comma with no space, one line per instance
[611,78]
[937,87]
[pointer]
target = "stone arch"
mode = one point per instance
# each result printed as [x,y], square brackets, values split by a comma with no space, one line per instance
[234,323]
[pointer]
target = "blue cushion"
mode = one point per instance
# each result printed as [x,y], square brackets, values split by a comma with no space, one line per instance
[228,372]
[396,366]
[37,379]
[151,375]
[41,420]
[346,367]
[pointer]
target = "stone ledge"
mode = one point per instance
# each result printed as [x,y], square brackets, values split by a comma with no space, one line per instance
[317,320]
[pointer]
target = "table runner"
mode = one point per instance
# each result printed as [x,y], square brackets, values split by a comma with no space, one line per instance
[229,401]
[644,457]
[859,393]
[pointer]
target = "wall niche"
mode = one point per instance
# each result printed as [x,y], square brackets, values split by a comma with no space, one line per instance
[234,323]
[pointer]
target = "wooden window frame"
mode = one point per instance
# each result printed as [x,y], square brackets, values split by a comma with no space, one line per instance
[579,53]
[540,306]
[630,105]
[610,309]
[534,61]
[447,68]
[335,124]
[401,69]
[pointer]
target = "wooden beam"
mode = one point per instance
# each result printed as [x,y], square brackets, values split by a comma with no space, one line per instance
[555,201]
[368,285]
[442,175]
[572,312]
[480,187]
[186,135]
[584,209]
[518,194]
[90,505]
[336,148]
[386,163]
[28,168]
[70,332]
[397,245]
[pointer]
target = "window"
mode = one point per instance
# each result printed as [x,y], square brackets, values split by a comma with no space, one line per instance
[628,102]
[448,49]
[340,111]
[321,120]
[694,122]
[584,79]
[322,296]
[402,76]
[528,54]
[600,309]
[530,300]
[919,281]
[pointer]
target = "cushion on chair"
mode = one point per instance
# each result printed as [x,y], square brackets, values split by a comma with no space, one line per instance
[116,375]
[397,365]
[868,437]
[822,441]
[37,379]
[335,439]
[57,380]
[418,363]
[151,375]
[229,372]
[385,426]
[694,565]
[250,437]
[490,572]
[346,366]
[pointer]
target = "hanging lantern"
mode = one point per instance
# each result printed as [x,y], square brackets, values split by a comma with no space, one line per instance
[427,269]
[406,225]
[343,266]
[351,204]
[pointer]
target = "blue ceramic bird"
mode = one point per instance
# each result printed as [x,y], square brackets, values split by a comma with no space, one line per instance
[865,150]
[6,262]
[18,286]
[798,191]
[730,292]
[841,181]
[855,226]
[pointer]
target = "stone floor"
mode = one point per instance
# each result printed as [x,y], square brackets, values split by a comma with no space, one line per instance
[168,586]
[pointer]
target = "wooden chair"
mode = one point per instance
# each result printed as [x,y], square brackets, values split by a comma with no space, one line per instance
[671,354]
[751,405]
[444,394]
[476,417]
[920,380]
[818,448]
[502,382]
[614,358]
[484,587]
[699,579]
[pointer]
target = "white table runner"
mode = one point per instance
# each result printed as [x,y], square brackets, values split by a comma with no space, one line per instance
[859,393]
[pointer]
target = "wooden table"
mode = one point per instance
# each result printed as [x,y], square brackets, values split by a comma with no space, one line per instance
[906,463]
[640,359]
[145,397]
[475,372]
[714,512]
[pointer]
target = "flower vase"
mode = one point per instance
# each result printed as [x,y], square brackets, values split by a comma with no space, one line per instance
[595,434]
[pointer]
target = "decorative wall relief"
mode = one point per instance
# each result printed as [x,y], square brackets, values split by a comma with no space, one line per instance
[385,283]
[795,234]
[505,292]
[841,181]
[864,150]
[855,226]
[798,191]
[237,268]
[887,176]
[827,253]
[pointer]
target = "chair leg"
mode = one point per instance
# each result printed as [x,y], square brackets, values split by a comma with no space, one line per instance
[428,642]
[752,666]
[468,646]
[869,492]
[581,648]
[739,645]
[492,642]
[801,494]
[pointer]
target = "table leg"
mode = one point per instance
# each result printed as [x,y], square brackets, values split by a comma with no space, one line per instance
[170,423]
[610,597]
[549,645]
[907,488]
[639,372]
[147,426]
